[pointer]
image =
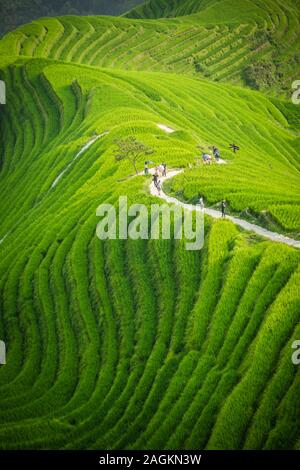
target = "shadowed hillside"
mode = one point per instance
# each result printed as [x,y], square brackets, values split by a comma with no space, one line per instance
[16,12]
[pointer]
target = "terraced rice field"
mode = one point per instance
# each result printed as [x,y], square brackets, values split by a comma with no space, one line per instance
[142,344]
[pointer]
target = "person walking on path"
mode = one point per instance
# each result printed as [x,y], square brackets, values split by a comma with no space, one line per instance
[223,208]
[158,187]
[201,203]
[216,153]
[146,169]
[164,173]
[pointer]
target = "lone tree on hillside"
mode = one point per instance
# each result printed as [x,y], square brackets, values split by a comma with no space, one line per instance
[132,150]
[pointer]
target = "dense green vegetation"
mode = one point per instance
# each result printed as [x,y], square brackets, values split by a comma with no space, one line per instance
[256,41]
[216,44]
[142,344]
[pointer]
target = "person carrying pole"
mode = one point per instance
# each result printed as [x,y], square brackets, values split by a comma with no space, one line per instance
[223,208]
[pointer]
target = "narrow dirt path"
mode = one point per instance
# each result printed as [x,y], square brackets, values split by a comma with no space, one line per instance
[275,237]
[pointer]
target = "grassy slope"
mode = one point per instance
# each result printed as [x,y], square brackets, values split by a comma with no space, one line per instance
[223,10]
[279,20]
[97,357]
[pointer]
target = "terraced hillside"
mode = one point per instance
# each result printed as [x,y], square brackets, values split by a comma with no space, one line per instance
[98,356]
[171,8]
[256,44]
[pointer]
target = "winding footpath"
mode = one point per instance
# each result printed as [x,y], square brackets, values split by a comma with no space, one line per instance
[275,237]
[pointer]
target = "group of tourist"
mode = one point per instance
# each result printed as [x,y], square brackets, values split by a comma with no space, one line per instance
[160,171]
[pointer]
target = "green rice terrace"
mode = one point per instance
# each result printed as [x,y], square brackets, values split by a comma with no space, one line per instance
[142,344]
